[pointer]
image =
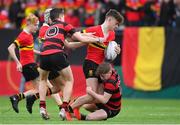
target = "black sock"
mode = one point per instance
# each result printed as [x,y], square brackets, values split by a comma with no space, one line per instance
[83,117]
[70,109]
[35,96]
[60,107]
[20,96]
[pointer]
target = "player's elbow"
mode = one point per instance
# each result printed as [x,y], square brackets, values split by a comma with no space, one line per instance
[104,101]
[79,37]
[9,48]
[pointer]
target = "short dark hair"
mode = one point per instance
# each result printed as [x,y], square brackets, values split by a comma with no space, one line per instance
[54,13]
[103,68]
[114,13]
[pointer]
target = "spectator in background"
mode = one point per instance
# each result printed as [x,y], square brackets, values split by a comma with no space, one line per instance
[14,9]
[133,12]
[177,11]
[90,7]
[81,12]
[4,20]
[150,9]
[167,13]
[72,18]
[20,15]
[104,6]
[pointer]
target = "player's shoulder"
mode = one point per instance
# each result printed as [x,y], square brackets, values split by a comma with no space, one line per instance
[22,34]
[44,26]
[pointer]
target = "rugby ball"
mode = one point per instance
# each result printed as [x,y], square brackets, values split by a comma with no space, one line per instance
[110,53]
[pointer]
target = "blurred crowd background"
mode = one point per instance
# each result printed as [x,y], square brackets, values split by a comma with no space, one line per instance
[83,13]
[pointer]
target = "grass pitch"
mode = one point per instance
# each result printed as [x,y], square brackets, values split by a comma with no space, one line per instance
[134,111]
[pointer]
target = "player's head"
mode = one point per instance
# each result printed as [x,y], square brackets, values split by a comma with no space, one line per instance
[113,19]
[32,22]
[104,70]
[57,14]
[47,15]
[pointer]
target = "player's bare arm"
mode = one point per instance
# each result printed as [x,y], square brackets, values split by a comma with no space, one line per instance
[37,52]
[74,44]
[87,39]
[12,52]
[101,98]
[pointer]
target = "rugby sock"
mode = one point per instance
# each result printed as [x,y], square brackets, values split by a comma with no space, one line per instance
[42,104]
[65,105]
[36,96]
[59,107]
[70,109]
[83,117]
[20,96]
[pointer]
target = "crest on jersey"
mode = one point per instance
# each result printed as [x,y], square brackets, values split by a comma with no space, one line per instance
[52,31]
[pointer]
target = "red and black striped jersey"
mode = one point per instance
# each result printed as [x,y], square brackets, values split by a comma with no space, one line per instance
[95,51]
[25,43]
[55,36]
[112,86]
[42,31]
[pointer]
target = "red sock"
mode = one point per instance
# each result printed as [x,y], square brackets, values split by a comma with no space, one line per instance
[65,105]
[42,104]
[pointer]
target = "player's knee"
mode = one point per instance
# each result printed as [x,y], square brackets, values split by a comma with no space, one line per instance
[89,117]
[55,90]
[69,79]
[88,107]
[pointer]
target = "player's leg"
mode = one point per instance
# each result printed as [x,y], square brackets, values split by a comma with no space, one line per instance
[67,76]
[30,73]
[90,107]
[22,84]
[53,88]
[89,69]
[97,115]
[55,80]
[90,82]
[42,92]
[102,113]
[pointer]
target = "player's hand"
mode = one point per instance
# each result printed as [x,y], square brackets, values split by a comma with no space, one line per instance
[19,67]
[117,49]
[89,90]
[103,39]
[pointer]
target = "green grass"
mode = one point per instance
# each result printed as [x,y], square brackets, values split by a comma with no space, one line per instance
[134,111]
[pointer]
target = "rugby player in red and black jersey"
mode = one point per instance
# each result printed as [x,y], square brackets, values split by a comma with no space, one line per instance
[108,99]
[95,54]
[53,58]
[53,75]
